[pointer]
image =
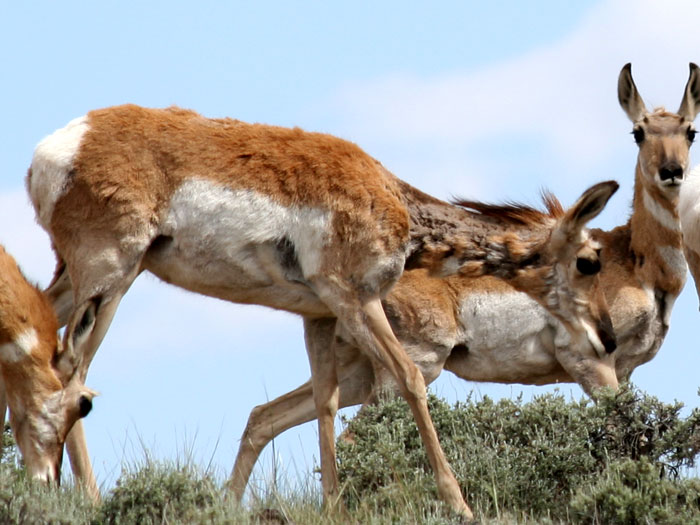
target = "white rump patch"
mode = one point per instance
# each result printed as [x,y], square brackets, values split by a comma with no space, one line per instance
[51,164]
[20,348]
[661,214]
[689,209]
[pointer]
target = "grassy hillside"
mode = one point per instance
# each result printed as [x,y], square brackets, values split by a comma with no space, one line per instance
[627,459]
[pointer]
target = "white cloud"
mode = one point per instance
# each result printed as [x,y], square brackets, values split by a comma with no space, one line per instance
[23,238]
[564,94]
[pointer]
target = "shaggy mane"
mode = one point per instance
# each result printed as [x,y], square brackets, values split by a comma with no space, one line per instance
[516,213]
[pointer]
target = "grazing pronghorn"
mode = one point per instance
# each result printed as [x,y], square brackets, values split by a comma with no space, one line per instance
[298,221]
[42,411]
[482,329]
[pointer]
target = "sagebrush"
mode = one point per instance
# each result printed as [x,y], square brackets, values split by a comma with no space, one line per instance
[532,460]
[628,458]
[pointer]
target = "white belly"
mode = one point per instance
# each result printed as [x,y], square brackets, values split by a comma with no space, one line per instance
[240,246]
[507,337]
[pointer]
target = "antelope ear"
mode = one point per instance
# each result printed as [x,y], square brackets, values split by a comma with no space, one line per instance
[588,206]
[628,96]
[690,104]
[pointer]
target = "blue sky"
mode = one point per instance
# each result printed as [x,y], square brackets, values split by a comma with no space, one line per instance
[491,100]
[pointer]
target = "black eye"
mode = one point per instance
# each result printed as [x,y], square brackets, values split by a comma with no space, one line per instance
[587,267]
[638,134]
[691,135]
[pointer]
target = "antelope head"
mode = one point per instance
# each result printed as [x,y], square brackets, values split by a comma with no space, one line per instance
[42,410]
[575,296]
[664,138]
[571,289]
[551,257]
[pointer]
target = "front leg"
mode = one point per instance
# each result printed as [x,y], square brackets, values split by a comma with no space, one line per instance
[76,445]
[319,334]
[86,327]
[264,424]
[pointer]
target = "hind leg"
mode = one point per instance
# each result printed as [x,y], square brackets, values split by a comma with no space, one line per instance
[296,407]
[264,423]
[93,295]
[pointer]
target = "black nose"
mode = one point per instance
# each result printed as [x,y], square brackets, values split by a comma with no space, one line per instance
[587,266]
[671,171]
[609,343]
[84,406]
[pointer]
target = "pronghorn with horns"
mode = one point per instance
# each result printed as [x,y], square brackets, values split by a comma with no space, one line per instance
[303,222]
[483,329]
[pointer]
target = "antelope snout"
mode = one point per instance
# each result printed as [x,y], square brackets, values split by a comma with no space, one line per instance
[48,472]
[671,171]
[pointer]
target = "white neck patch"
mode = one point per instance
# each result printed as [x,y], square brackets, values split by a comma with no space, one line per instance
[21,348]
[661,214]
[674,258]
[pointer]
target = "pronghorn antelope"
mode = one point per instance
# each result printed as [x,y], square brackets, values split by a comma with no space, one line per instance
[483,329]
[298,221]
[480,328]
[42,411]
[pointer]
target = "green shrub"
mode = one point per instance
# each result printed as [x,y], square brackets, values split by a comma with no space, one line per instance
[550,460]
[637,492]
[158,493]
[527,460]
[23,501]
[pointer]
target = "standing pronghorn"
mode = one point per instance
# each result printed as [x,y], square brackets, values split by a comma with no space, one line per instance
[482,329]
[41,410]
[298,221]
